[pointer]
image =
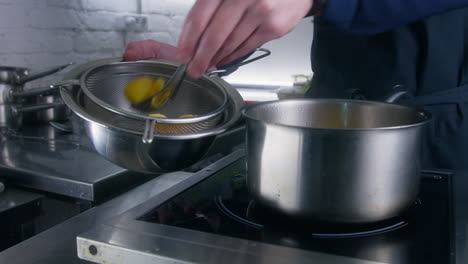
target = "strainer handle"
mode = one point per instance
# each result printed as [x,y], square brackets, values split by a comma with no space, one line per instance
[148,134]
[266,52]
[65,83]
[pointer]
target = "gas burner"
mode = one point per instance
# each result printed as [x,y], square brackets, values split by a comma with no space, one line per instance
[370,232]
[257,217]
[222,207]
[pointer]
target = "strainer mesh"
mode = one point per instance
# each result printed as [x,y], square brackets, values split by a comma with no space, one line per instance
[199,98]
[139,125]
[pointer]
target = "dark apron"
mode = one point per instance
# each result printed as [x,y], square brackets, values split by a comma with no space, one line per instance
[446,143]
[427,57]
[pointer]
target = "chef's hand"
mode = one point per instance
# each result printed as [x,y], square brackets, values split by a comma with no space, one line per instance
[149,49]
[218,31]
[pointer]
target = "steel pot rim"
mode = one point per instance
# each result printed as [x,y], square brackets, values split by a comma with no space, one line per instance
[423,113]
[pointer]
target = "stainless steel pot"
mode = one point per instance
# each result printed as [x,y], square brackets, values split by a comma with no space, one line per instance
[59,111]
[124,146]
[19,76]
[12,80]
[343,161]
[40,104]
[14,100]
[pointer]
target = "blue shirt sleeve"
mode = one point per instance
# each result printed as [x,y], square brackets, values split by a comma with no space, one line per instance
[375,16]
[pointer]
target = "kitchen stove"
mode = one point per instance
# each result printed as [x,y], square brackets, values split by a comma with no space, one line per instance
[212,215]
[231,211]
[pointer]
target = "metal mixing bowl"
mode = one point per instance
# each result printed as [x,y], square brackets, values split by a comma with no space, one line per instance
[122,144]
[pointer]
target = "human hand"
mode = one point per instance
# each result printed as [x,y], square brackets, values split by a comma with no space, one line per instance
[149,49]
[218,31]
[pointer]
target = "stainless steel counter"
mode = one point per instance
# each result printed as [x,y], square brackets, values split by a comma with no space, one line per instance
[42,158]
[58,244]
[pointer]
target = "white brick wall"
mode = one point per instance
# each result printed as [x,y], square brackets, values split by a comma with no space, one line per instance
[39,34]
[167,7]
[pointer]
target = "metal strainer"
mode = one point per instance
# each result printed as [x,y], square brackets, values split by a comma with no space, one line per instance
[203,98]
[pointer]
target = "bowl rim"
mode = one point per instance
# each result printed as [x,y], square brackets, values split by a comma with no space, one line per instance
[72,97]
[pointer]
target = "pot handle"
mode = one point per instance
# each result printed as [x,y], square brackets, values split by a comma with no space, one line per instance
[399,92]
[148,134]
[36,91]
[63,85]
[36,107]
[266,52]
[32,77]
[62,127]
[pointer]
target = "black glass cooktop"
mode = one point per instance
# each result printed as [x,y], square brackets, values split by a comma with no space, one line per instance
[222,205]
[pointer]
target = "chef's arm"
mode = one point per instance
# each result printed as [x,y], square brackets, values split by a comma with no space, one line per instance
[375,16]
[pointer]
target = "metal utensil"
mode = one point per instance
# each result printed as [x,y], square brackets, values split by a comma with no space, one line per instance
[167,93]
[343,161]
